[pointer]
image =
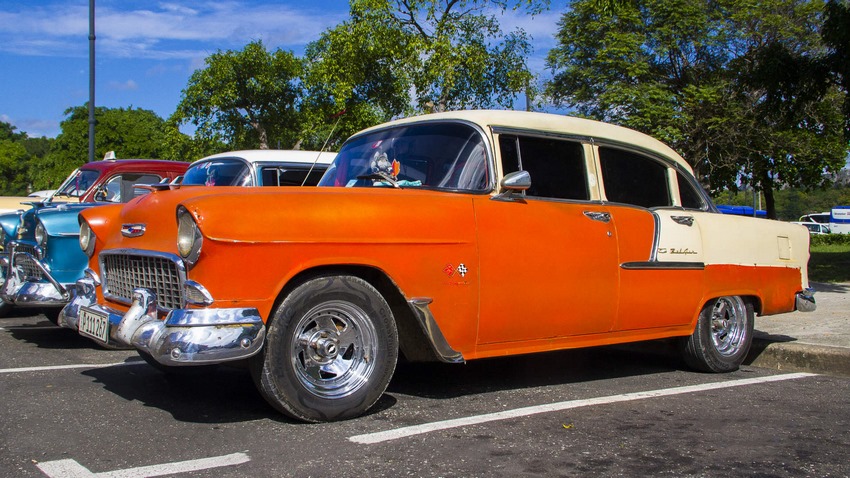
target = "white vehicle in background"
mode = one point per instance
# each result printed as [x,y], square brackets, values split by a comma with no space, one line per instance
[815,228]
[818,217]
[839,220]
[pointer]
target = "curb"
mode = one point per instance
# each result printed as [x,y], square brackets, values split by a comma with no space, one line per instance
[797,357]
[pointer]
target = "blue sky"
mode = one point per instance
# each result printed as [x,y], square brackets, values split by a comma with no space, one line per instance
[146,51]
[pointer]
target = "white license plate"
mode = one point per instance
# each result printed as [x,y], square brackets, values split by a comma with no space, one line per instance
[94,324]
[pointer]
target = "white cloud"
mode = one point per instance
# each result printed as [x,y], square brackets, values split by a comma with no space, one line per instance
[164,31]
[128,85]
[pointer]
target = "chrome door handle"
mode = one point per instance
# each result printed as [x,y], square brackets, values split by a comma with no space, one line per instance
[683,220]
[598,216]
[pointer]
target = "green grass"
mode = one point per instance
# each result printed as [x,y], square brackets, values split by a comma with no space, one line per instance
[830,263]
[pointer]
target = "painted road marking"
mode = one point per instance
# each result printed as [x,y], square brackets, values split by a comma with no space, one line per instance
[388,435]
[72,469]
[65,367]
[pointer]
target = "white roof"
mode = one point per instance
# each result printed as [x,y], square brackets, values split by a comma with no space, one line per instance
[277,156]
[551,123]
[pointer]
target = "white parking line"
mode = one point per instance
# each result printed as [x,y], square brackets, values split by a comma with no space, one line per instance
[72,469]
[372,438]
[63,367]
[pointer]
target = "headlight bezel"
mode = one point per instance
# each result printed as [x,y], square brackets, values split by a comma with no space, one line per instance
[87,238]
[40,235]
[190,241]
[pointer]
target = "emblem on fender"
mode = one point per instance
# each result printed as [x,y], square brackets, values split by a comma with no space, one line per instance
[132,230]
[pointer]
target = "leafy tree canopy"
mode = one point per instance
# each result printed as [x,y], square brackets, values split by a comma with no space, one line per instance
[734,86]
[13,157]
[245,99]
[133,133]
[395,58]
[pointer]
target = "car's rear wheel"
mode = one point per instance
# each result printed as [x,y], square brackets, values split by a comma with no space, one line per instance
[330,350]
[722,337]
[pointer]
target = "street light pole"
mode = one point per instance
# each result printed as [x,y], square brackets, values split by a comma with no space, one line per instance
[91,81]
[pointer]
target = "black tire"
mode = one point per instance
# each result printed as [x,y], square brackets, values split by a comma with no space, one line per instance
[330,352]
[5,308]
[722,337]
[52,314]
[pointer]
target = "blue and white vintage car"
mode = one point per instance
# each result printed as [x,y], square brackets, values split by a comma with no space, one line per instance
[44,260]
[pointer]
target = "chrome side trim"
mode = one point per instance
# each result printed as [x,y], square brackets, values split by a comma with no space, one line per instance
[805,300]
[655,265]
[441,347]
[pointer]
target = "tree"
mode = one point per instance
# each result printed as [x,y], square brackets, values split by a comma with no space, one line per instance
[725,83]
[131,133]
[836,35]
[13,158]
[246,99]
[393,58]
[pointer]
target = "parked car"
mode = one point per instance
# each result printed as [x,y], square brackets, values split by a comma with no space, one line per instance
[45,261]
[815,228]
[451,237]
[35,275]
[88,184]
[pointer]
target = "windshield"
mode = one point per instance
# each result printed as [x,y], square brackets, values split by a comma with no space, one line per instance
[218,172]
[78,183]
[435,155]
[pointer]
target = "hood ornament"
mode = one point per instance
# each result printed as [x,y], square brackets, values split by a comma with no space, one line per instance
[132,230]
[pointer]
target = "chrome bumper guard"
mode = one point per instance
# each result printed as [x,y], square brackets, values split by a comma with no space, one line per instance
[19,291]
[806,301]
[185,337]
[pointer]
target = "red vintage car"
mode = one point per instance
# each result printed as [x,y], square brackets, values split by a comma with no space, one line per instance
[451,237]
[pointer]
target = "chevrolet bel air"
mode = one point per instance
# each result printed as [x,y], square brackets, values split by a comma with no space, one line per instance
[450,237]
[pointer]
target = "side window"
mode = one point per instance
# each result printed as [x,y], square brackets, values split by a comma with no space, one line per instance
[556,166]
[632,178]
[120,188]
[690,197]
[288,176]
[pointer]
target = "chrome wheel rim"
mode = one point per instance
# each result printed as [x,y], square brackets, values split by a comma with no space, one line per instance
[728,325]
[333,349]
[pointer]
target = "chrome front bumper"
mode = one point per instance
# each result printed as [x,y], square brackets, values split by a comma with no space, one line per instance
[185,337]
[17,290]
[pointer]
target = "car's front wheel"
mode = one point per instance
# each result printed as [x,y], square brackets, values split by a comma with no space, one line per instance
[330,350]
[722,337]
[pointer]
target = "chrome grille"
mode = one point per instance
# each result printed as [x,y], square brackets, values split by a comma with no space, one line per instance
[27,262]
[125,271]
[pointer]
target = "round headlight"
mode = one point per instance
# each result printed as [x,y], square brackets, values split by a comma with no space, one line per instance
[40,235]
[189,237]
[87,238]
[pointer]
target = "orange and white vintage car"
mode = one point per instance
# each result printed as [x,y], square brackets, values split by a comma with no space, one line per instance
[451,237]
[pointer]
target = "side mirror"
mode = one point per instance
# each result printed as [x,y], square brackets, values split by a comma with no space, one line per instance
[512,184]
[516,181]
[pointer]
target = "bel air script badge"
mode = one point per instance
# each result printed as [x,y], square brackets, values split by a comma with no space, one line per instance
[132,230]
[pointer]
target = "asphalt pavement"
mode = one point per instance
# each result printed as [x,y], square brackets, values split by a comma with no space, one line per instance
[816,341]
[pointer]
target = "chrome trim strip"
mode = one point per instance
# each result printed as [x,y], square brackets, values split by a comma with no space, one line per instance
[656,238]
[655,265]
[425,319]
